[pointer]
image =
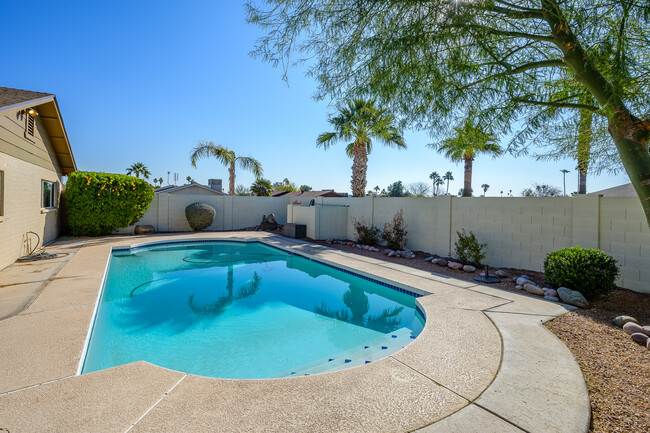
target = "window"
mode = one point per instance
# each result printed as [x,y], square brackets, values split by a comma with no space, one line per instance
[48,198]
[2,193]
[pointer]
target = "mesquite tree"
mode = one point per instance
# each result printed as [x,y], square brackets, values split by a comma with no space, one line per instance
[507,59]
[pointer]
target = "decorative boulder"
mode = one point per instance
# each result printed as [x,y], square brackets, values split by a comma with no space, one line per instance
[442,262]
[622,320]
[501,273]
[533,289]
[455,265]
[572,297]
[469,268]
[640,338]
[523,280]
[550,292]
[633,328]
[143,229]
[200,216]
[552,298]
[428,259]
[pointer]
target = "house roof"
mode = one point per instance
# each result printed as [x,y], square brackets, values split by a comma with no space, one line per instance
[625,190]
[172,189]
[306,194]
[48,111]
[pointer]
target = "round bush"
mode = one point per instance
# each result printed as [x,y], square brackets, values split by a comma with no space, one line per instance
[99,203]
[591,272]
[200,216]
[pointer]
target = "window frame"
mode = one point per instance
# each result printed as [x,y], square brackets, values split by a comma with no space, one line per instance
[53,194]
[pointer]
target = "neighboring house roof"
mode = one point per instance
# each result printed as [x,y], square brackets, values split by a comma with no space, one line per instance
[625,190]
[306,194]
[172,188]
[48,111]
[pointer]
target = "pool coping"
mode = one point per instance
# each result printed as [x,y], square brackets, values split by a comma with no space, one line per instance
[407,391]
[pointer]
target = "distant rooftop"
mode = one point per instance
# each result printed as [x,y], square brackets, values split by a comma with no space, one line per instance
[306,194]
[625,190]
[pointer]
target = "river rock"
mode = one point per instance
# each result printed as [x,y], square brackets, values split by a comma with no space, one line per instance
[143,229]
[388,251]
[647,344]
[469,268]
[500,273]
[442,262]
[519,287]
[622,320]
[523,280]
[640,338]
[646,329]
[533,289]
[572,297]
[454,265]
[428,259]
[391,254]
[633,328]
[552,298]
[550,292]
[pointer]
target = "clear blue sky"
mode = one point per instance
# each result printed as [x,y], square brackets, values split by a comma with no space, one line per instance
[145,81]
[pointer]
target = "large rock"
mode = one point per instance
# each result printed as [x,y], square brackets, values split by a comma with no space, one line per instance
[442,262]
[455,265]
[550,292]
[143,229]
[572,297]
[200,216]
[552,298]
[523,280]
[428,259]
[622,320]
[633,328]
[469,268]
[501,273]
[640,338]
[533,289]
[646,329]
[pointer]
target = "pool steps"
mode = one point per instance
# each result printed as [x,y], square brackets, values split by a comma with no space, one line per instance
[359,355]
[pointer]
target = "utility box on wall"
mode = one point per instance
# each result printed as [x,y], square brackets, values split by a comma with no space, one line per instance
[322,221]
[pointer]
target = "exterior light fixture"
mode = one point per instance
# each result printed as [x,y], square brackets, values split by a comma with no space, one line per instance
[32,112]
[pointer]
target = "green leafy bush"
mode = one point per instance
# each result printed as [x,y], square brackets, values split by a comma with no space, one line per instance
[99,203]
[468,248]
[591,272]
[395,232]
[367,234]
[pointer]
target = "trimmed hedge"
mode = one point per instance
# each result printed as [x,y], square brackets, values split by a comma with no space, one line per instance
[591,272]
[99,203]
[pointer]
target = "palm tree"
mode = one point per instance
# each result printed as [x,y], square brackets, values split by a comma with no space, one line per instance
[261,187]
[155,181]
[439,182]
[160,181]
[189,179]
[448,176]
[138,169]
[468,141]
[485,187]
[377,190]
[434,178]
[361,122]
[227,157]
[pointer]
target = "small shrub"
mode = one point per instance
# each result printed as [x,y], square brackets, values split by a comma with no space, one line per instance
[99,203]
[200,216]
[468,248]
[591,272]
[367,234]
[395,232]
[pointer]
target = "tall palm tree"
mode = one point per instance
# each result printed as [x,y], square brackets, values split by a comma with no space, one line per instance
[448,176]
[361,121]
[439,183]
[434,178]
[468,141]
[261,187]
[227,157]
[138,169]
[155,182]
[485,187]
[160,181]
[189,179]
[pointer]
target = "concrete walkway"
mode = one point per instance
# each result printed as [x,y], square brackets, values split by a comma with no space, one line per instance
[483,363]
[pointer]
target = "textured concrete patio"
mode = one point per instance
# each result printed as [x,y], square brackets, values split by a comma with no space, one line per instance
[483,363]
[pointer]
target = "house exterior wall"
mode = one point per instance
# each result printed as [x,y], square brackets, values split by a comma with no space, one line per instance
[25,164]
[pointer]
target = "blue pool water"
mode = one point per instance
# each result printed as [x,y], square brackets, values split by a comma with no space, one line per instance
[243,310]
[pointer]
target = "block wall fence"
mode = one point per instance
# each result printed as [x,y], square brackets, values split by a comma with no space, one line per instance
[519,232]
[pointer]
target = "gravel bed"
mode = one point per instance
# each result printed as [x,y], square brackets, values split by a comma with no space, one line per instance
[616,369]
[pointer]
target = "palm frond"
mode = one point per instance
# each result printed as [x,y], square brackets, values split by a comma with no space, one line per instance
[250,164]
[206,149]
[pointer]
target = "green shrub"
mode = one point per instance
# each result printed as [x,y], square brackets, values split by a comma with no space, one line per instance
[395,232]
[367,234]
[99,203]
[591,272]
[468,248]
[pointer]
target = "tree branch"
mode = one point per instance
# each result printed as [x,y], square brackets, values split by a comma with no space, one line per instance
[519,69]
[557,104]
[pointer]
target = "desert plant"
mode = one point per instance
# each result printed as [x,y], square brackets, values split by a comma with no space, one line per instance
[99,203]
[468,249]
[591,272]
[200,216]
[367,234]
[395,232]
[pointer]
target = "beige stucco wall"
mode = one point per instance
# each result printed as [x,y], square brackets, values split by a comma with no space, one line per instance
[25,165]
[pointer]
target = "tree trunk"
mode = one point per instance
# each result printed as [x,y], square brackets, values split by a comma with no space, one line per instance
[467,185]
[359,169]
[630,133]
[584,147]
[231,173]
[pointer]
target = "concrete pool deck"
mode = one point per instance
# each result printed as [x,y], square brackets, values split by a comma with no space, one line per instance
[483,363]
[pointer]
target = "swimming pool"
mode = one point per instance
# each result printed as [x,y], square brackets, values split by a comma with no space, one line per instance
[243,310]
